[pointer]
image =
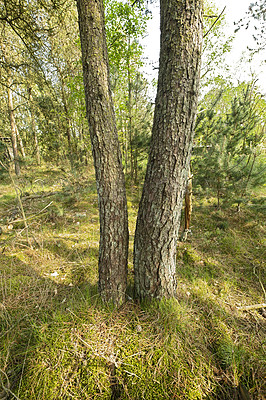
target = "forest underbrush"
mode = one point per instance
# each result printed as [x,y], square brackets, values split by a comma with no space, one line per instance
[59,341]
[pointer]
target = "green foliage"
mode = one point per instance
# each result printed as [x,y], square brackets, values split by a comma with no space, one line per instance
[229,150]
[125,25]
[46,71]
[47,88]
[216,45]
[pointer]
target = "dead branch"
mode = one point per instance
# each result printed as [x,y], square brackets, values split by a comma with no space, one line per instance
[40,195]
[252,307]
[217,19]
[6,388]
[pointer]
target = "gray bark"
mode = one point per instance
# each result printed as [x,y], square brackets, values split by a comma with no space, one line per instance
[175,109]
[113,249]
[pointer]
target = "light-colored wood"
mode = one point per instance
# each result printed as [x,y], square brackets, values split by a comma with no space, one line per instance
[252,307]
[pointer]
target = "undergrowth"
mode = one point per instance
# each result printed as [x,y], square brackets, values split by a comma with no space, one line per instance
[57,339]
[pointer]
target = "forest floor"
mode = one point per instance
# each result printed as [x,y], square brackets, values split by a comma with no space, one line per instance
[58,341]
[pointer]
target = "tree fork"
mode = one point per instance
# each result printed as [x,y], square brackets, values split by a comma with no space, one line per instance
[113,250]
[175,110]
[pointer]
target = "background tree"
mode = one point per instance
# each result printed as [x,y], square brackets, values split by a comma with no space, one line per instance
[46,70]
[125,25]
[216,45]
[10,82]
[229,145]
[256,18]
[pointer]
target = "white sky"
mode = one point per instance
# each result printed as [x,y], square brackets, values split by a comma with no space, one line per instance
[235,10]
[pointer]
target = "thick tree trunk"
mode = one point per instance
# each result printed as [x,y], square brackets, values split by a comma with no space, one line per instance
[105,147]
[176,103]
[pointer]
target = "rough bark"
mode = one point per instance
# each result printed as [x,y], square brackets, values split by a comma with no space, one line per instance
[113,249]
[175,109]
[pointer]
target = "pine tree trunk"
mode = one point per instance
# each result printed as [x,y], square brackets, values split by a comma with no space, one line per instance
[175,109]
[113,249]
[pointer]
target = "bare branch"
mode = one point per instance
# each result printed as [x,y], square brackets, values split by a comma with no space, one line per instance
[252,307]
[217,19]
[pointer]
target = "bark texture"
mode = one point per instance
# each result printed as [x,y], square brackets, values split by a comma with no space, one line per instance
[175,109]
[113,249]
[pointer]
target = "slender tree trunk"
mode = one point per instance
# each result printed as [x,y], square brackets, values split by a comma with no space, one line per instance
[218,192]
[21,145]
[68,123]
[188,201]
[188,206]
[66,109]
[175,109]
[125,148]
[113,249]
[34,130]
[69,141]
[13,127]
[129,109]
[249,174]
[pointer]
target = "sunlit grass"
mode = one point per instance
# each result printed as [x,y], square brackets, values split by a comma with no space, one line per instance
[57,339]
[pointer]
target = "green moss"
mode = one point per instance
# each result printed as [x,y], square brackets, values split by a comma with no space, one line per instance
[191,257]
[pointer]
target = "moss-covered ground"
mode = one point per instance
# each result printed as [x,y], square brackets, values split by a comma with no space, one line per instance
[58,341]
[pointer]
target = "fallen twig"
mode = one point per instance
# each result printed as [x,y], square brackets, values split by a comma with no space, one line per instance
[252,307]
[34,215]
[6,388]
[40,196]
